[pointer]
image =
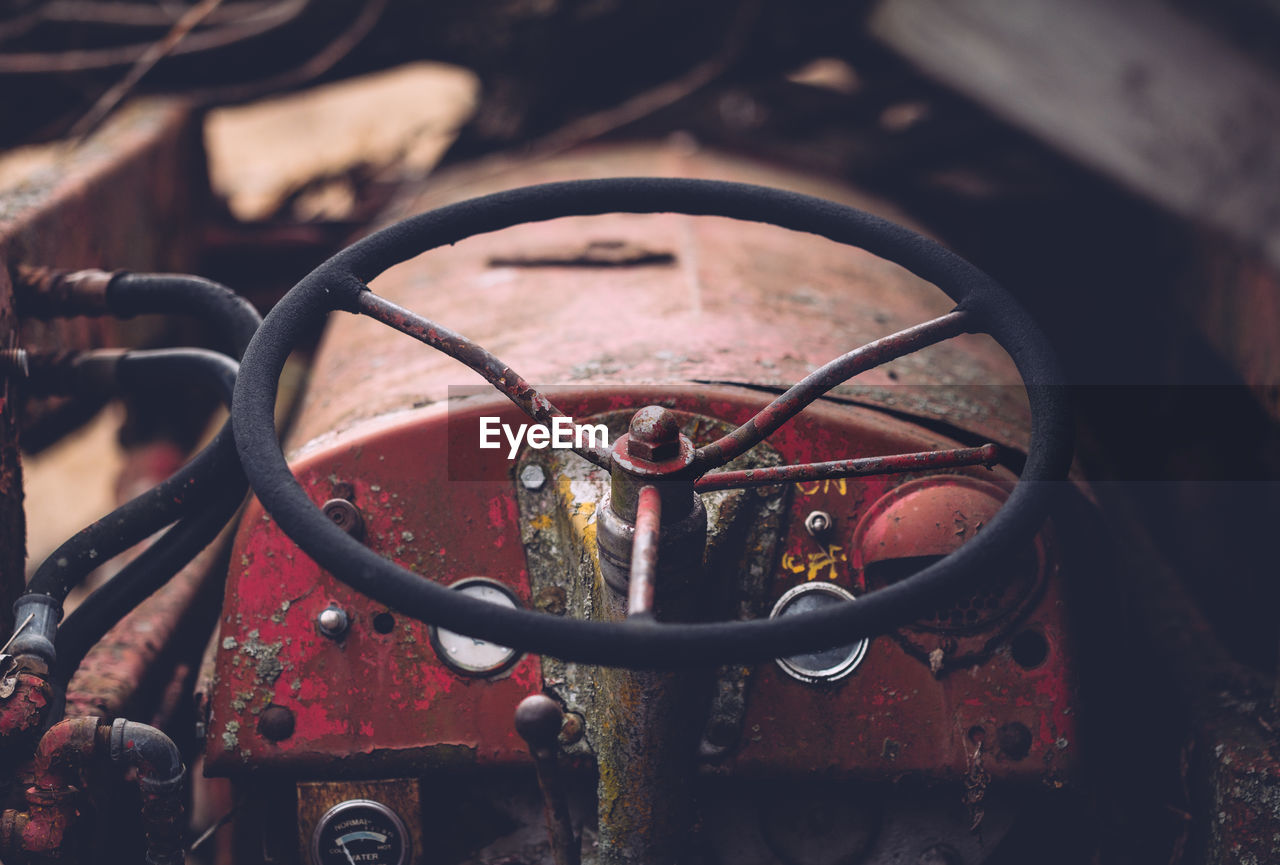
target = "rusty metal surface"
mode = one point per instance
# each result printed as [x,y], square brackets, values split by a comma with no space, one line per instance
[129,197]
[741,302]
[379,696]
[895,715]
[24,699]
[50,827]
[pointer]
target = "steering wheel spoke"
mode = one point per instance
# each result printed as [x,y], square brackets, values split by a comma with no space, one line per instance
[475,356]
[986,455]
[824,378]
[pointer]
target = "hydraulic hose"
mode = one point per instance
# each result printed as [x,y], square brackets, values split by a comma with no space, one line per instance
[205,484]
[138,580]
[156,565]
[212,479]
[193,484]
[234,318]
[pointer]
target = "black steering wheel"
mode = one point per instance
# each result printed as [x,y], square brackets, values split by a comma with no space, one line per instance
[340,284]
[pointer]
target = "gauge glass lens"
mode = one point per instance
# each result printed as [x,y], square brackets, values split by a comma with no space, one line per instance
[471,655]
[360,832]
[823,665]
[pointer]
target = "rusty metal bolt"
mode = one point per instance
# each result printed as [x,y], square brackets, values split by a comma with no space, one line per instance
[571,728]
[654,435]
[332,621]
[276,723]
[818,523]
[345,516]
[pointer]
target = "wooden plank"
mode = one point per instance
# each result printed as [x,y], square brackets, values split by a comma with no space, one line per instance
[1133,89]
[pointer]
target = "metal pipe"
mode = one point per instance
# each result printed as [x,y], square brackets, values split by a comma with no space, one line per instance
[644,553]
[160,780]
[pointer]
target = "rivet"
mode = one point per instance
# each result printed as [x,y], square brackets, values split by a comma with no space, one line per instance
[276,723]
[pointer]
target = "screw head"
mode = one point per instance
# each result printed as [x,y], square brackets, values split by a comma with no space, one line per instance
[818,523]
[654,435]
[332,621]
[345,516]
[532,477]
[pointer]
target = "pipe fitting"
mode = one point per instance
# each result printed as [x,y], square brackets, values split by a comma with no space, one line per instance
[47,828]
[46,292]
[35,637]
[160,779]
[150,751]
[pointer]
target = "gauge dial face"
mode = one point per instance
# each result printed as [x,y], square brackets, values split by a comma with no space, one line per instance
[469,655]
[823,665]
[360,832]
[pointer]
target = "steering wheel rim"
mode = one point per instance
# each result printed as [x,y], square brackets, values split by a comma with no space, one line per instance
[337,283]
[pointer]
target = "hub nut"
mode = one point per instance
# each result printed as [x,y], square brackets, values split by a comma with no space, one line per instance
[654,435]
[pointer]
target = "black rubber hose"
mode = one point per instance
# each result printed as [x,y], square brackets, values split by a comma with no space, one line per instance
[236,320]
[199,481]
[156,565]
[337,283]
[233,317]
[138,580]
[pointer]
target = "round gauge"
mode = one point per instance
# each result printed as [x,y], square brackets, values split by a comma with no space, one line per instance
[360,832]
[469,655]
[824,665]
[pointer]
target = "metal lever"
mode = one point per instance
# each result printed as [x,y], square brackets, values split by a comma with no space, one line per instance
[538,721]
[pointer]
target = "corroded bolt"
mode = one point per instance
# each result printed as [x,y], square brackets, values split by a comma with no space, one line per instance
[345,516]
[654,435]
[332,621]
[571,729]
[276,723]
